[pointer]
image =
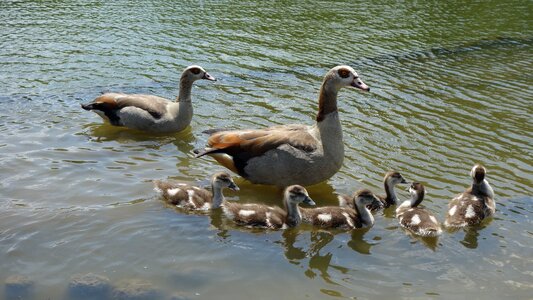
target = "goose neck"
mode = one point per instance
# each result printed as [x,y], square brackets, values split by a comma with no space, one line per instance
[327,101]
[483,188]
[362,211]
[218,197]
[416,199]
[390,193]
[294,217]
[185,90]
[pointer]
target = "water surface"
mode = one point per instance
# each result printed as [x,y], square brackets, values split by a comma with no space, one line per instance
[451,87]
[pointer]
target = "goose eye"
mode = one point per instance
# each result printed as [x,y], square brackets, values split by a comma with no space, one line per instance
[344,73]
[195,71]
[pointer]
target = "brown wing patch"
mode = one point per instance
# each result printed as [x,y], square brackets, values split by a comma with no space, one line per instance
[108,100]
[260,141]
[244,145]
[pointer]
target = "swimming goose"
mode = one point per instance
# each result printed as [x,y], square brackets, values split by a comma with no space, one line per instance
[391,179]
[259,215]
[147,112]
[195,198]
[416,219]
[474,204]
[343,217]
[289,154]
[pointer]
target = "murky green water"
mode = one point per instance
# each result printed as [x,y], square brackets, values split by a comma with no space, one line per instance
[451,86]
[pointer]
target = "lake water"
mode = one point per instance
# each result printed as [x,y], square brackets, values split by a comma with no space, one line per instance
[451,86]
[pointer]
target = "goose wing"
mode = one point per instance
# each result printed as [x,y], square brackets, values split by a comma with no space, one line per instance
[112,102]
[256,142]
[239,146]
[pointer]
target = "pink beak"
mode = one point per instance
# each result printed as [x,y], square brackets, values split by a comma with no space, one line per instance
[358,83]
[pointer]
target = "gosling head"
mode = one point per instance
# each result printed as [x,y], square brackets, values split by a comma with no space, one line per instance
[194,73]
[478,173]
[393,178]
[223,180]
[366,198]
[417,192]
[296,194]
[345,76]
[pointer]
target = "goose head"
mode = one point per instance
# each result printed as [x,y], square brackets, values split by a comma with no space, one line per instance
[478,173]
[193,73]
[393,178]
[296,194]
[223,180]
[345,76]
[365,198]
[417,192]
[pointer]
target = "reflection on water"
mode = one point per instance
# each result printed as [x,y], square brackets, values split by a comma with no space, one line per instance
[357,243]
[450,88]
[102,133]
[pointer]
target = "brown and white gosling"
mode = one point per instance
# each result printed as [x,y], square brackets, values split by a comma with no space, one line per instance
[148,112]
[343,217]
[416,219]
[263,216]
[473,205]
[391,179]
[194,198]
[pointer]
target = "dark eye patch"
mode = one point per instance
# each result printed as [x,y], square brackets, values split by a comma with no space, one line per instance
[344,73]
[195,71]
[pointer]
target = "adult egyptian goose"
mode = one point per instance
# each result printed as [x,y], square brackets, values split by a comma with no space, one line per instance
[474,204]
[289,154]
[263,216]
[194,198]
[343,217]
[416,219]
[147,112]
[391,179]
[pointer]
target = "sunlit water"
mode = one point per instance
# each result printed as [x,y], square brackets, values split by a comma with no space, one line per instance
[450,87]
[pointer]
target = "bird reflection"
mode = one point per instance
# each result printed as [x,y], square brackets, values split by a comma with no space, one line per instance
[470,239]
[358,244]
[430,242]
[217,221]
[105,132]
[319,261]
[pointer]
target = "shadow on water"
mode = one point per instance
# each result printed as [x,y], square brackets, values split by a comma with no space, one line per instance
[470,239]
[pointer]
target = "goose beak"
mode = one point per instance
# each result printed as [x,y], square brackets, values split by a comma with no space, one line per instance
[207,76]
[358,83]
[309,201]
[404,181]
[232,186]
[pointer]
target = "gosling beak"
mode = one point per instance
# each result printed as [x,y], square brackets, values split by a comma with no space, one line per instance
[358,83]
[232,186]
[404,181]
[207,76]
[309,201]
